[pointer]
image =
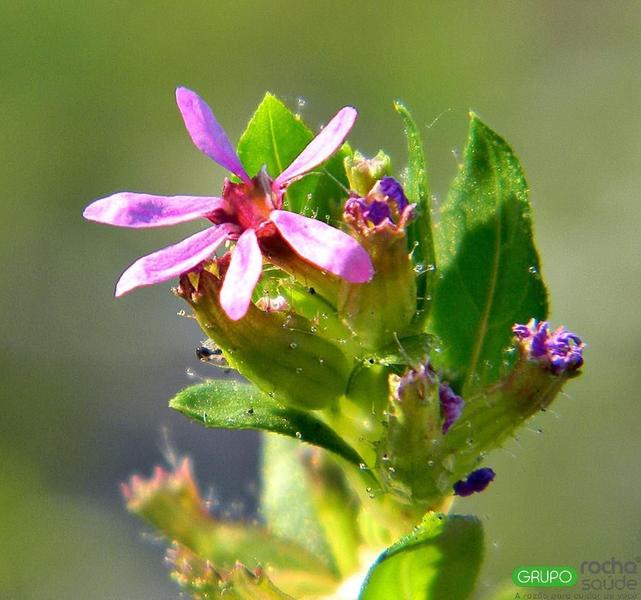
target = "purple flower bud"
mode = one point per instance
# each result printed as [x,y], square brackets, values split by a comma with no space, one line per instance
[538,346]
[374,212]
[475,482]
[393,190]
[522,332]
[415,379]
[451,405]
[385,208]
[560,351]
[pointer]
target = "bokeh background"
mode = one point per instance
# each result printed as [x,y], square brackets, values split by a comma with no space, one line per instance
[86,109]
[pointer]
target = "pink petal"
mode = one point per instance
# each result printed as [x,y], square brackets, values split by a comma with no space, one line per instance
[128,209]
[206,133]
[321,147]
[240,280]
[173,260]
[324,246]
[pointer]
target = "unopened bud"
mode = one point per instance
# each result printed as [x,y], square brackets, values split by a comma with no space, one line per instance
[414,425]
[363,173]
[475,482]
[381,310]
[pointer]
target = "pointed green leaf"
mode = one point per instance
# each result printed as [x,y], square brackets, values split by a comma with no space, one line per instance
[337,508]
[488,264]
[286,497]
[274,137]
[439,559]
[419,232]
[408,351]
[224,404]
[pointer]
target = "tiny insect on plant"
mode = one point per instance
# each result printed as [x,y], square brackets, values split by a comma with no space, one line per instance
[207,352]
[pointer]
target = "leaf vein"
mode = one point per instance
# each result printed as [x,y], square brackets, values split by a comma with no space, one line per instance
[491,292]
[272,136]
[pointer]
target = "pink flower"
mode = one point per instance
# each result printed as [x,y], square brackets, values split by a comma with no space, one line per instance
[247,213]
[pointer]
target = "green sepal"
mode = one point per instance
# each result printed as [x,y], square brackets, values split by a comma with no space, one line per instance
[439,559]
[308,302]
[489,273]
[419,231]
[224,404]
[363,173]
[202,581]
[381,309]
[274,137]
[287,359]
[251,585]
[413,427]
[489,419]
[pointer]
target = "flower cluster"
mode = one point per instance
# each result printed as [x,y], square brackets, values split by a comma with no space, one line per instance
[559,351]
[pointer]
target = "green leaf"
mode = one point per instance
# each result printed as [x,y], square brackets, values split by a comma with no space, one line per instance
[409,351]
[305,490]
[286,497]
[419,232]
[274,137]
[439,559]
[336,507]
[227,404]
[489,267]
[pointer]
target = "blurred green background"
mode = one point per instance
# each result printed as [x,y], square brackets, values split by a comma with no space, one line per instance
[87,109]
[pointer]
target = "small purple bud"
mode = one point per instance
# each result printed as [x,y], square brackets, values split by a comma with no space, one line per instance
[475,482]
[374,212]
[522,332]
[384,209]
[538,346]
[394,191]
[560,351]
[565,350]
[451,405]
[422,375]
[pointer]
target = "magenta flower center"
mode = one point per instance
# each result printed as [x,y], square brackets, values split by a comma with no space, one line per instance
[247,204]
